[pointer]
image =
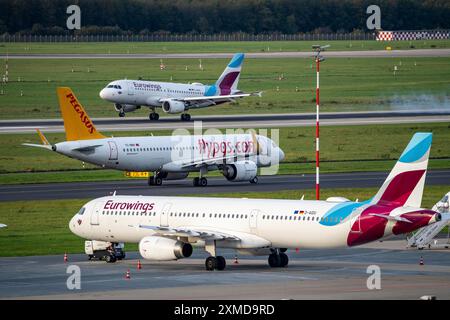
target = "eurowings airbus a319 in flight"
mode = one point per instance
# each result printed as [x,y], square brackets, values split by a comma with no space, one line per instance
[237,156]
[129,95]
[167,228]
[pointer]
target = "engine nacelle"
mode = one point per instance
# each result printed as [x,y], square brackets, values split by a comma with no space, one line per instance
[240,171]
[172,106]
[126,107]
[163,249]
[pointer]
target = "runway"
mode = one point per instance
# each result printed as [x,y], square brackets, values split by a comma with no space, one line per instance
[259,55]
[236,121]
[80,190]
[311,274]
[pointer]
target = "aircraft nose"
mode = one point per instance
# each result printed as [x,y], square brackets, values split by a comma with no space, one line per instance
[281,154]
[102,94]
[72,225]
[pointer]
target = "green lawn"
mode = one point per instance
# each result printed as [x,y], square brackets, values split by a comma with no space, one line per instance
[41,227]
[346,84]
[343,149]
[213,46]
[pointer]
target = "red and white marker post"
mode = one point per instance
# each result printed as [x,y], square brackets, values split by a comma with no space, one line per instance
[318,59]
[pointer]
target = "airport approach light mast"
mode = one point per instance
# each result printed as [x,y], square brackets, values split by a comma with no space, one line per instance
[318,49]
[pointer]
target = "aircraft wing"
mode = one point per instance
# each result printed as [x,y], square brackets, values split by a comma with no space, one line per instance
[214,99]
[2,225]
[190,232]
[245,240]
[200,162]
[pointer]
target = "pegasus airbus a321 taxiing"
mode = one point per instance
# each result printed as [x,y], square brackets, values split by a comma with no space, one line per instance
[167,228]
[129,95]
[237,156]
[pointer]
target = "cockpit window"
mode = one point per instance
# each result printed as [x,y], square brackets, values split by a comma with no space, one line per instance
[81,211]
[110,86]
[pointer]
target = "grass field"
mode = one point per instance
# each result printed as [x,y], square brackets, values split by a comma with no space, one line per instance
[213,46]
[40,228]
[346,84]
[343,149]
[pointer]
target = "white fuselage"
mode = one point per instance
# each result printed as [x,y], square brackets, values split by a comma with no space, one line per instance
[260,223]
[150,93]
[169,153]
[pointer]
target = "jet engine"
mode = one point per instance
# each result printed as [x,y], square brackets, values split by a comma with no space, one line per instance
[126,107]
[163,249]
[172,106]
[240,171]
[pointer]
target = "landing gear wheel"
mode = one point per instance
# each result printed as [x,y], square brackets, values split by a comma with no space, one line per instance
[274,260]
[121,114]
[284,260]
[203,182]
[196,181]
[211,263]
[221,263]
[110,258]
[153,116]
[154,181]
[254,180]
[185,117]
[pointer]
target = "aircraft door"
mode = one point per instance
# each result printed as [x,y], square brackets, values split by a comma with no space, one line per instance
[96,214]
[253,221]
[113,151]
[130,88]
[164,216]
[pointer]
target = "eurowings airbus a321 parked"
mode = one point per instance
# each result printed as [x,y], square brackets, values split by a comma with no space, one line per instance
[238,156]
[129,95]
[167,228]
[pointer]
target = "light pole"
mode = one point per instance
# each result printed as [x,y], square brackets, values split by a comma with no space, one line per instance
[317,49]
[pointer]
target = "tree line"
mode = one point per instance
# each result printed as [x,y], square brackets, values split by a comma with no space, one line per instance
[218,16]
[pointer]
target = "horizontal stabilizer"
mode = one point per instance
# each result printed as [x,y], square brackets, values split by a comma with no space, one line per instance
[392,218]
[45,146]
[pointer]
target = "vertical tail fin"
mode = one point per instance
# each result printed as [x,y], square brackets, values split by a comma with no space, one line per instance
[77,124]
[404,185]
[228,80]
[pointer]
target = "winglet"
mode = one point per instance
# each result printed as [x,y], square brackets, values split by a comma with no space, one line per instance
[77,123]
[43,138]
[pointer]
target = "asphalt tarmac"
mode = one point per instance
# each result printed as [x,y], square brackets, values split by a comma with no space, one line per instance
[80,190]
[311,274]
[236,121]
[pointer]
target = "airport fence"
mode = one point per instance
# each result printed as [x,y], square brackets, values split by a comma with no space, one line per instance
[185,37]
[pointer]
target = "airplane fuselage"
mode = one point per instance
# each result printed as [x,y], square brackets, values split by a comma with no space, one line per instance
[168,153]
[150,93]
[259,223]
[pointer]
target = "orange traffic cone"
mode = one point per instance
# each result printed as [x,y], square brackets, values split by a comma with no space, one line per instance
[127,275]
[421,261]
[236,260]
[139,266]
[65,257]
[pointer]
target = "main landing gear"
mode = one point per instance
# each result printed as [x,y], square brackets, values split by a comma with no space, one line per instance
[214,262]
[278,259]
[155,180]
[153,116]
[200,182]
[185,117]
